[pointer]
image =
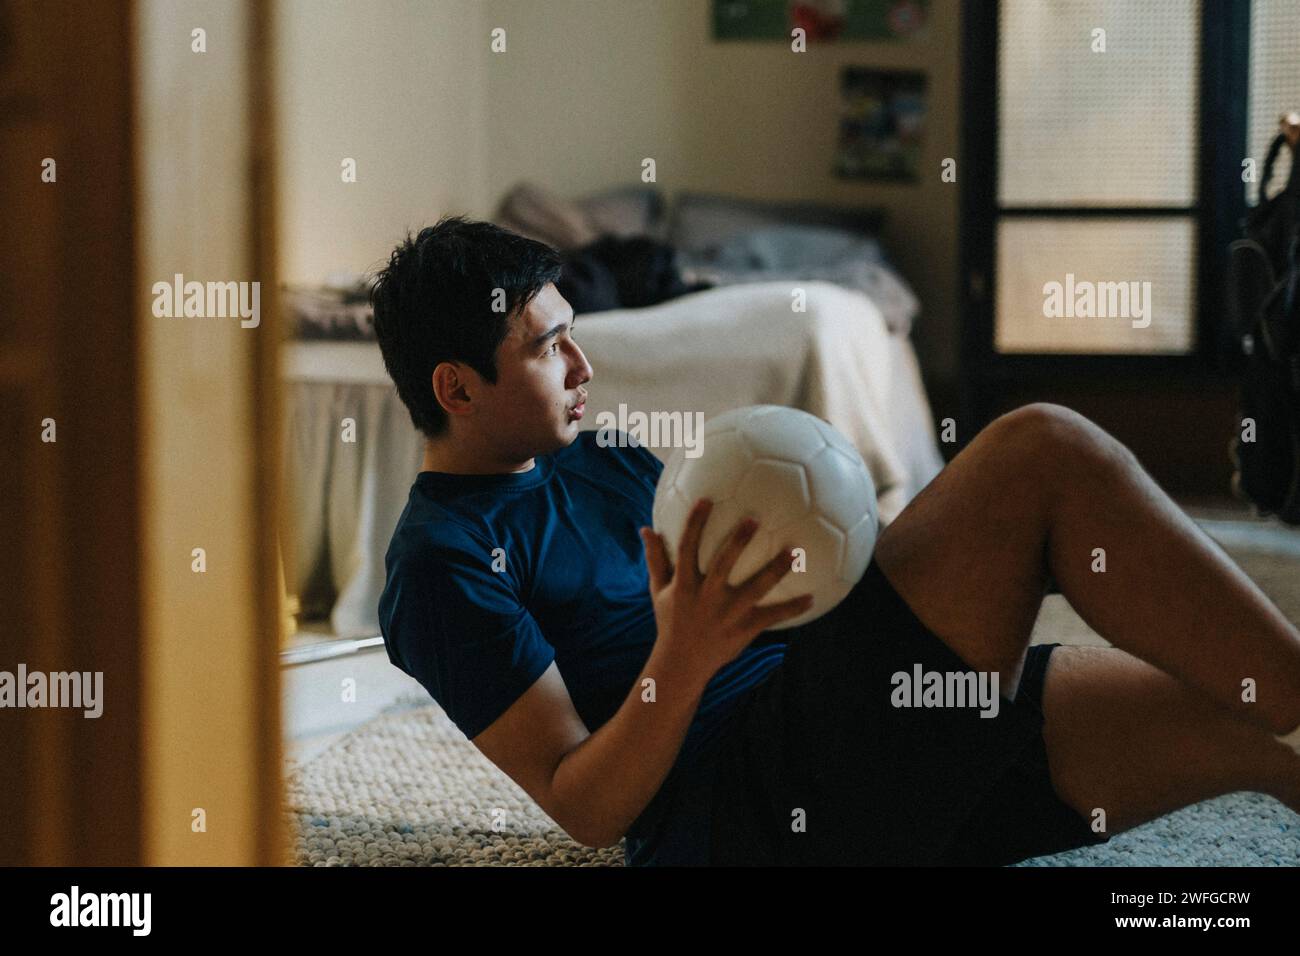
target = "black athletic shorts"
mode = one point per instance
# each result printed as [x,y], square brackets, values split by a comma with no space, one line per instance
[819,767]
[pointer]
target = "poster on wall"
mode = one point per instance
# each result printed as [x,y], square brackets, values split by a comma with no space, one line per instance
[881,124]
[821,20]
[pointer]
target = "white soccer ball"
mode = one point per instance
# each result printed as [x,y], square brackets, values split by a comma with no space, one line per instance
[804,483]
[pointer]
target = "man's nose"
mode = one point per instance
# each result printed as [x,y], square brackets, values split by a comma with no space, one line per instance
[583,371]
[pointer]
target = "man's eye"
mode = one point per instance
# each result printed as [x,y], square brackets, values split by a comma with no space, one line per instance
[554,346]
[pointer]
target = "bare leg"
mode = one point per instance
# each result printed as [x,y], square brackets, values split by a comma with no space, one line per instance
[1125,737]
[1170,595]
[1041,488]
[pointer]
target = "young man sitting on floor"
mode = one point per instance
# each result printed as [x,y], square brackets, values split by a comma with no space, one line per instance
[633,696]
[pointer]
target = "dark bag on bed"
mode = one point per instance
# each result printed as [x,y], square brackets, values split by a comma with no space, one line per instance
[1264,287]
[616,272]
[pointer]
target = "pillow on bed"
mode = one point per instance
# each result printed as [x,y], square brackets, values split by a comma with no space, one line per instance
[702,220]
[567,224]
[802,254]
[789,247]
[534,211]
[625,211]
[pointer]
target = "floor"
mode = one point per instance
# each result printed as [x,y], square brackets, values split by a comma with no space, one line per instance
[320,705]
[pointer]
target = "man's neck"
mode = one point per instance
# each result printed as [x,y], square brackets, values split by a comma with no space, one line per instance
[444,457]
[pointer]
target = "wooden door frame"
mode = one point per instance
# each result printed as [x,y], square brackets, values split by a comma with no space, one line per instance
[81,515]
[68,339]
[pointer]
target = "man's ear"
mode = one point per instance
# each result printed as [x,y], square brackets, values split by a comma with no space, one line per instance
[452,387]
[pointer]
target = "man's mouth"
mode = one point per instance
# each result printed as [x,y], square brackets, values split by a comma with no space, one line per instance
[577,411]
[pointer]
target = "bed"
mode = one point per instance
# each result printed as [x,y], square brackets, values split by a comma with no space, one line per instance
[352,452]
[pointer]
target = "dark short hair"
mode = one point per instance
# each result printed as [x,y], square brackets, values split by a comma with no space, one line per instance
[434,300]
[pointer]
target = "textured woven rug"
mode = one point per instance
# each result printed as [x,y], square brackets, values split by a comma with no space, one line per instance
[407,789]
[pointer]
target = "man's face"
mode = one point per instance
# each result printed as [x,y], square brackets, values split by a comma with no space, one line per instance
[538,400]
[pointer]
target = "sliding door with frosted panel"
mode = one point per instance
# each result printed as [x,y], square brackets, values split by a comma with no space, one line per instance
[1097,177]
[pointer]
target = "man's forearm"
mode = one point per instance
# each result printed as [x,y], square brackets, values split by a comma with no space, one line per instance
[610,778]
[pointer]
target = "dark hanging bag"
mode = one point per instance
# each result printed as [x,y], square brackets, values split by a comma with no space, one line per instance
[1264,293]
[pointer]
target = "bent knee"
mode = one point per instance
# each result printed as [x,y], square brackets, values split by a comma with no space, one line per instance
[1061,440]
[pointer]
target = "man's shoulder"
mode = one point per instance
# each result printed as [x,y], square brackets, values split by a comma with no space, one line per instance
[435,570]
[606,441]
[620,449]
[433,538]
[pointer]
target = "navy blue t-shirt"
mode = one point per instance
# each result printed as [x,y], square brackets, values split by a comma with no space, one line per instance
[493,577]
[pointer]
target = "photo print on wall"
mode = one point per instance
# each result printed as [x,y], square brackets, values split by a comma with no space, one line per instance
[882,124]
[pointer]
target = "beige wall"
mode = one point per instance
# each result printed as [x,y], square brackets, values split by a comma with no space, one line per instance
[585,91]
[397,85]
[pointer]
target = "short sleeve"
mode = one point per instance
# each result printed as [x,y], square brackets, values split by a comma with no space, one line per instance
[648,463]
[458,627]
